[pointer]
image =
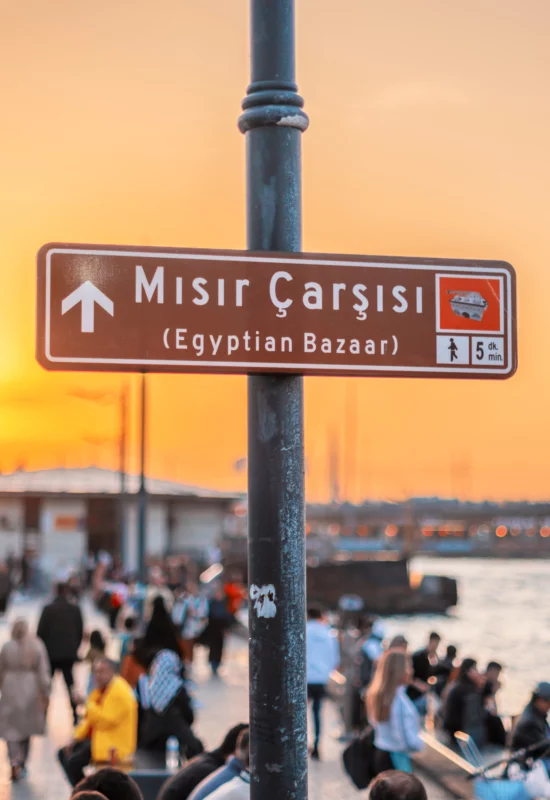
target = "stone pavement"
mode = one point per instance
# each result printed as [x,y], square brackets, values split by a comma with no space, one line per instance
[223,702]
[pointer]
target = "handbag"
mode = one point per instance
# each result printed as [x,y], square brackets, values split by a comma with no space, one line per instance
[358,759]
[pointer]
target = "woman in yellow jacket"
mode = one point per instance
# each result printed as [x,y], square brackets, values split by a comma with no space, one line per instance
[109,728]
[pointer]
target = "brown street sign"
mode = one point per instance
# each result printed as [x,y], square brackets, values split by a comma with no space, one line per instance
[109,308]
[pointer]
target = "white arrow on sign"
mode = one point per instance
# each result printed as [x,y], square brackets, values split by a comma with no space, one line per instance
[88,295]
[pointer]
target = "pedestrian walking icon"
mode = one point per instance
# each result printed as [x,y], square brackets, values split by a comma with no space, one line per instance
[453,350]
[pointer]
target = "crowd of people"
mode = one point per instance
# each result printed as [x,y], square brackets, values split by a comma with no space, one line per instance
[143,702]
[396,692]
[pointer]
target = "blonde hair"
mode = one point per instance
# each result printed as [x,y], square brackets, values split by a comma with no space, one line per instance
[390,673]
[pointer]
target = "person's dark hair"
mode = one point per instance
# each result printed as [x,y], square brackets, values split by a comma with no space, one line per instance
[243,742]
[394,785]
[161,632]
[229,744]
[494,665]
[364,622]
[112,783]
[243,745]
[314,612]
[398,642]
[85,795]
[62,590]
[130,623]
[434,636]
[97,640]
[451,652]
[465,667]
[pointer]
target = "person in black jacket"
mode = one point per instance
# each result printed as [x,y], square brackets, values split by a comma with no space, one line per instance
[532,727]
[181,785]
[423,662]
[464,709]
[61,629]
[219,621]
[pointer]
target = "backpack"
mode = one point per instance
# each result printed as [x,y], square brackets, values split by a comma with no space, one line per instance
[358,759]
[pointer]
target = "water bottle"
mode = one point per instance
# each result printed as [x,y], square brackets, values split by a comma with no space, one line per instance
[172,754]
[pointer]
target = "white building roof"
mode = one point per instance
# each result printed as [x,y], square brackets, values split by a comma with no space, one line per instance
[96,481]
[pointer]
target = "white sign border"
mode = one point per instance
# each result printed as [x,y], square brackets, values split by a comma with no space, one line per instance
[285,367]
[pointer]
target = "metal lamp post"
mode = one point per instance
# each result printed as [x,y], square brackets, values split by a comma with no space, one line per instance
[273,121]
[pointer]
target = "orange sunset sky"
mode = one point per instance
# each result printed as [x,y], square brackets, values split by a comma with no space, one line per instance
[430,123]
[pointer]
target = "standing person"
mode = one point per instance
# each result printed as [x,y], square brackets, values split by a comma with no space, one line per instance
[25,690]
[235,593]
[157,588]
[193,619]
[117,601]
[464,708]
[371,651]
[161,633]
[5,587]
[26,570]
[424,664]
[322,657]
[61,629]
[392,714]
[127,636]
[444,669]
[494,727]
[219,620]
[351,663]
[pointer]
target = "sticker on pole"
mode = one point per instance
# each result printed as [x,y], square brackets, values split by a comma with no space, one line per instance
[151,309]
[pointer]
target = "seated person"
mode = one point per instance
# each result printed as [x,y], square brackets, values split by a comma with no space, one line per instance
[532,727]
[109,727]
[232,769]
[166,707]
[464,710]
[110,783]
[180,786]
[236,789]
